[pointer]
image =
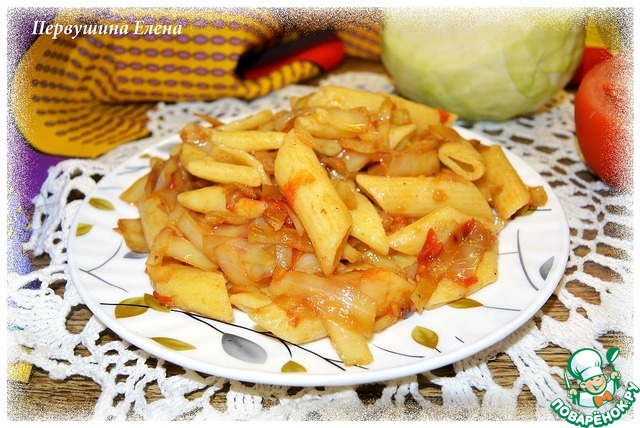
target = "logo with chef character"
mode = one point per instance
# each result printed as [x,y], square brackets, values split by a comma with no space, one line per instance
[590,387]
[585,365]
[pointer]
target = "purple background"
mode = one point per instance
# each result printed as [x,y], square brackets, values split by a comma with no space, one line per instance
[27,168]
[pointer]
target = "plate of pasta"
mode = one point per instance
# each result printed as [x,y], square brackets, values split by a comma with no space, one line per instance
[352,238]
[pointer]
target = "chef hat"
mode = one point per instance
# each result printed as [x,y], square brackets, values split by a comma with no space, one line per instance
[585,364]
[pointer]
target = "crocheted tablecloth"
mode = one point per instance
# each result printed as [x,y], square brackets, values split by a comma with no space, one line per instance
[600,228]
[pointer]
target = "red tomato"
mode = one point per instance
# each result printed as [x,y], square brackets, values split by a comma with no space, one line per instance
[592,56]
[604,120]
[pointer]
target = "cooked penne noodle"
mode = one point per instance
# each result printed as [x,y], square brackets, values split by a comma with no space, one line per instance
[337,218]
[352,346]
[153,217]
[131,231]
[327,147]
[247,123]
[136,191]
[189,227]
[184,251]
[449,291]
[189,153]
[226,154]
[249,140]
[423,116]
[418,196]
[193,290]
[338,97]
[205,199]
[335,123]
[276,319]
[508,192]
[350,254]
[247,300]
[222,172]
[345,98]
[463,159]
[367,225]
[347,191]
[213,199]
[411,238]
[308,190]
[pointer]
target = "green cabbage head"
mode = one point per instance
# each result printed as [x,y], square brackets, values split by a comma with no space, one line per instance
[482,64]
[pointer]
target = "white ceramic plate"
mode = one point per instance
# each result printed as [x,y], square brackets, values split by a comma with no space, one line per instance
[533,254]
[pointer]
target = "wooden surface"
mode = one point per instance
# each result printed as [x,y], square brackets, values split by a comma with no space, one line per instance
[42,398]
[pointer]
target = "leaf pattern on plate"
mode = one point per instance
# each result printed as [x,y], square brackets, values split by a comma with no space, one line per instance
[134,255]
[130,307]
[166,148]
[101,204]
[425,337]
[83,229]
[521,259]
[243,349]
[465,303]
[527,212]
[175,344]
[152,302]
[292,367]
[546,268]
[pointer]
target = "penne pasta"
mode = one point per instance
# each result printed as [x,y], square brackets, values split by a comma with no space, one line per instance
[469,250]
[508,192]
[335,123]
[213,200]
[194,290]
[205,199]
[419,196]
[183,250]
[410,239]
[449,291]
[222,172]
[327,147]
[276,319]
[131,231]
[367,225]
[335,219]
[189,152]
[308,190]
[226,154]
[422,115]
[463,159]
[338,97]
[249,140]
[155,217]
[136,191]
[251,122]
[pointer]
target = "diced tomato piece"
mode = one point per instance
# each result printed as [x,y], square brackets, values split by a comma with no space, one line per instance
[431,249]
[163,300]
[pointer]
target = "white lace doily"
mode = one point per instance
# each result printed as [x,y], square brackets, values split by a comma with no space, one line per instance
[598,217]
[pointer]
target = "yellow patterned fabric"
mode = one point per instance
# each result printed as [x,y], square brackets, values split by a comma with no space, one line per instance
[86,83]
[19,371]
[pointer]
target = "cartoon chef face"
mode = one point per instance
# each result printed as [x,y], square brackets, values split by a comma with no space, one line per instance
[595,385]
[586,366]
